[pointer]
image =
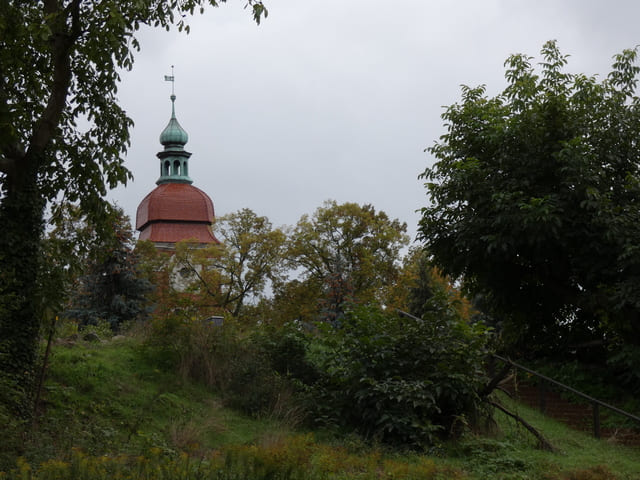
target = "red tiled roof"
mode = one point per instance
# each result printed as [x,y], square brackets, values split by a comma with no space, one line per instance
[175,201]
[174,212]
[173,232]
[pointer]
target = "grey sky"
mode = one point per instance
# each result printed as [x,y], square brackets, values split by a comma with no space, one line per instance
[337,99]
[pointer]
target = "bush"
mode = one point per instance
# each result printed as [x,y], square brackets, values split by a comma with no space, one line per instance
[236,365]
[12,432]
[625,361]
[400,380]
[286,348]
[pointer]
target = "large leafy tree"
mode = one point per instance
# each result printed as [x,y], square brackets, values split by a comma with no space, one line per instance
[253,257]
[351,251]
[535,201]
[237,272]
[61,131]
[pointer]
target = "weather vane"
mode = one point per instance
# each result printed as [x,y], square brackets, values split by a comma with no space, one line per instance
[170,78]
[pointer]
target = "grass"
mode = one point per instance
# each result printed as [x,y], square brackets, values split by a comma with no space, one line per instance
[513,453]
[114,398]
[115,407]
[577,450]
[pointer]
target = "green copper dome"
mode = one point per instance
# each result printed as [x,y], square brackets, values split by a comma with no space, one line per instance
[174,160]
[173,134]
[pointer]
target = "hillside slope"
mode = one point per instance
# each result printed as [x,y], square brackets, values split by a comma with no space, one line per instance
[121,401]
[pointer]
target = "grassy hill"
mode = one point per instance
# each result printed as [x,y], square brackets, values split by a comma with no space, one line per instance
[118,409]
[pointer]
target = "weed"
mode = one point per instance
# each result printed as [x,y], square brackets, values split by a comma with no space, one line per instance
[598,472]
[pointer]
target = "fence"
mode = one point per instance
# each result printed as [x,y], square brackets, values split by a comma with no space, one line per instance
[595,403]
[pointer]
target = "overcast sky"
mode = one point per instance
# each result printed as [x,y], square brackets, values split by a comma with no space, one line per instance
[337,99]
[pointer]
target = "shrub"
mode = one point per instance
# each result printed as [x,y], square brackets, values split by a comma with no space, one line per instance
[234,364]
[625,361]
[12,433]
[399,380]
[286,348]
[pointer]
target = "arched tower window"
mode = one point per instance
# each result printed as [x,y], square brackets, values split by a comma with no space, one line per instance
[176,167]
[167,164]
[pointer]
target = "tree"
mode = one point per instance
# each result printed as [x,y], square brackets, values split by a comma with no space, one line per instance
[421,289]
[254,255]
[294,299]
[113,287]
[238,271]
[352,250]
[66,249]
[535,202]
[60,63]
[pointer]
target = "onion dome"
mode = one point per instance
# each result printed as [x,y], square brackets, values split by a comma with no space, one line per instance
[174,160]
[174,135]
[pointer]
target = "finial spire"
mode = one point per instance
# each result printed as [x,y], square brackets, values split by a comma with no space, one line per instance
[174,160]
[171,78]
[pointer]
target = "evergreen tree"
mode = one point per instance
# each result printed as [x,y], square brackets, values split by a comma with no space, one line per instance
[113,288]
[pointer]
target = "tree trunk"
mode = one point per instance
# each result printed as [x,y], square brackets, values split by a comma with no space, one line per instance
[21,221]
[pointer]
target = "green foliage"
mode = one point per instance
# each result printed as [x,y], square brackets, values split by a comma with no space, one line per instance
[401,380]
[286,348]
[351,251]
[113,411]
[233,364]
[534,202]
[67,247]
[61,63]
[428,292]
[343,253]
[292,300]
[102,329]
[253,387]
[20,298]
[12,431]
[252,256]
[625,361]
[492,457]
[233,276]
[296,458]
[113,288]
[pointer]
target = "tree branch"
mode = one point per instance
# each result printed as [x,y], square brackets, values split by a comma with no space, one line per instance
[192,267]
[495,381]
[61,47]
[544,443]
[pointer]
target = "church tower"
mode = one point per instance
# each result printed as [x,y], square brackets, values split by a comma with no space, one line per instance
[175,210]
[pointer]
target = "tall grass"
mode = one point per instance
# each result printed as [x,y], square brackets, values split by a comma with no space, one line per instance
[231,362]
[296,458]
